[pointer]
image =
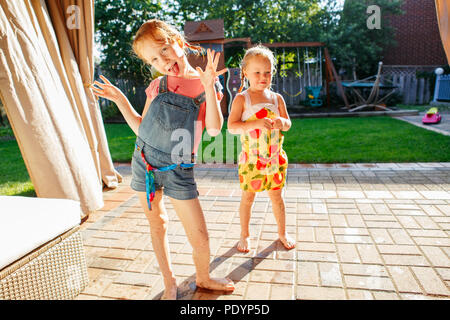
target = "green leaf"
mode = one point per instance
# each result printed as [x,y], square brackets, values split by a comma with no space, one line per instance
[258,176]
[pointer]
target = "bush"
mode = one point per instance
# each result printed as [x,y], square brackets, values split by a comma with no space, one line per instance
[111,113]
[394,99]
[3,118]
[335,96]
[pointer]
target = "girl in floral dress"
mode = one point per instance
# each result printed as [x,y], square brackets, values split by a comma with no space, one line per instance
[259,115]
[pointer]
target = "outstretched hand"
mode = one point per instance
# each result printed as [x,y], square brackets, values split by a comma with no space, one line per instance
[209,75]
[106,90]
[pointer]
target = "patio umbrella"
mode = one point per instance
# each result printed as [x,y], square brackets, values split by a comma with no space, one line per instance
[46,66]
[443,15]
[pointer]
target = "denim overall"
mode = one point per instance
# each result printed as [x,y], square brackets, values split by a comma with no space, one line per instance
[158,161]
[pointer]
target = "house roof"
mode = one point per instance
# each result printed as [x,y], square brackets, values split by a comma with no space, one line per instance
[204,30]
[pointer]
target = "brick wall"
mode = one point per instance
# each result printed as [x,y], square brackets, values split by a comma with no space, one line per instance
[417,36]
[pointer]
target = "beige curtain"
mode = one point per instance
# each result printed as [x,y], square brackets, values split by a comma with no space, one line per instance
[45,67]
[73,21]
[443,15]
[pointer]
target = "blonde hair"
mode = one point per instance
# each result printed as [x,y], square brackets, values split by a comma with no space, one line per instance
[258,50]
[160,32]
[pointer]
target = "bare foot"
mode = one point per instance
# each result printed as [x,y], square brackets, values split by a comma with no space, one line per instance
[287,241]
[216,284]
[170,293]
[244,244]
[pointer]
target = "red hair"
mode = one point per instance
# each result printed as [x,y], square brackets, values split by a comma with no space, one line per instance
[160,32]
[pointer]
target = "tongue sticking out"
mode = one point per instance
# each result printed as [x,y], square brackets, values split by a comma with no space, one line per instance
[175,68]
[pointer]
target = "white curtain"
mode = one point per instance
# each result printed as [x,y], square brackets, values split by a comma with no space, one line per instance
[46,65]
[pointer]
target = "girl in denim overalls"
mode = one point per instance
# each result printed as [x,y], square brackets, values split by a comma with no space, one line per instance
[174,104]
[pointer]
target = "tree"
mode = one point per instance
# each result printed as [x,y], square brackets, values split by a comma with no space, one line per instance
[356,45]
[116,22]
[345,30]
[264,21]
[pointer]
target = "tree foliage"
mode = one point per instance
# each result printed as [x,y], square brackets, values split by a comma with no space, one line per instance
[356,47]
[262,20]
[352,45]
[116,23]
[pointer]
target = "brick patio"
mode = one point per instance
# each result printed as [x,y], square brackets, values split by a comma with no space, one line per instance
[363,231]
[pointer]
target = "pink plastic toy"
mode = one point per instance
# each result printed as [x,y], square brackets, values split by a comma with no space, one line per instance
[431,117]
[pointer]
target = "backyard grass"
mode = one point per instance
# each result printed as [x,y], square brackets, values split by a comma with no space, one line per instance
[319,140]
[326,140]
[371,139]
[14,178]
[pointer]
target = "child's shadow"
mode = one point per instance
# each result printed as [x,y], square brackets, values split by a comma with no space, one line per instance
[187,289]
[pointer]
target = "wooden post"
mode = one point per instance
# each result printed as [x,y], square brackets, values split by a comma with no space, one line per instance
[336,77]
[421,90]
[407,89]
[327,81]
[427,91]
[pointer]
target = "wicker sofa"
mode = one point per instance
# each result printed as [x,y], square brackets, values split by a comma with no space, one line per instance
[41,250]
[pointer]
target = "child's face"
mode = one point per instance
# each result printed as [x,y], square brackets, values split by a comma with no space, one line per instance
[167,58]
[259,72]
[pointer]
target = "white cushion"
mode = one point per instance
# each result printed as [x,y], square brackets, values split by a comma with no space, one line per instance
[27,223]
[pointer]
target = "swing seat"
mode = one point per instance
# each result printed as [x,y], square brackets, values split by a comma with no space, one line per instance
[316,102]
[313,94]
[293,95]
[315,91]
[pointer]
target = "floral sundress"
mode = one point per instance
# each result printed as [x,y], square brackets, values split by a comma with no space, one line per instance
[262,161]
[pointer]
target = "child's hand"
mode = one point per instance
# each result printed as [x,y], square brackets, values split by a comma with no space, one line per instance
[107,90]
[208,77]
[264,123]
[277,123]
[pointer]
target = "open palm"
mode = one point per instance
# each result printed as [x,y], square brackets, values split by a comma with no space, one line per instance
[106,90]
[209,75]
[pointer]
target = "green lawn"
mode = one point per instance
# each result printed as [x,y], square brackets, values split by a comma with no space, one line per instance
[14,178]
[328,140]
[371,139]
[121,141]
[319,140]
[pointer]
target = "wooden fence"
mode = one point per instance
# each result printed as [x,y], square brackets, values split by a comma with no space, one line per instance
[135,94]
[442,91]
[413,90]
[293,89]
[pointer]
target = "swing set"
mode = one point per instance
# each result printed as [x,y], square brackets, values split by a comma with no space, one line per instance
[310,78]
[312,61]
